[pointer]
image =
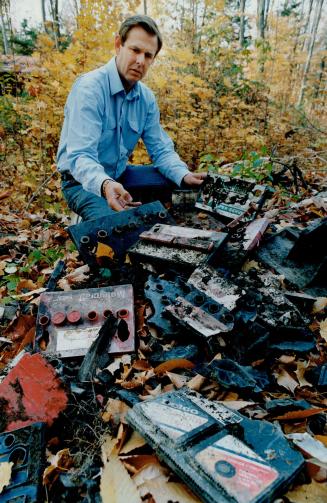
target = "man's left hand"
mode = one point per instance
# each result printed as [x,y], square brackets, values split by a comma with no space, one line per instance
[194,179]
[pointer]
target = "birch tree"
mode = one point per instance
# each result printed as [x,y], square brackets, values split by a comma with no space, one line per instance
[307,65]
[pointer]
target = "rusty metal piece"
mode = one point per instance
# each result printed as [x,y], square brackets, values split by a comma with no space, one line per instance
[107,313]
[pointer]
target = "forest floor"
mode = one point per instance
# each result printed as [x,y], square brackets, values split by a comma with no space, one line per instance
[90,452]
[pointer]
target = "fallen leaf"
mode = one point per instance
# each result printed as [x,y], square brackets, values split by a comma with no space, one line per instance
[196,382]
[115,412]
[298,414]
[116,486]
[178,363]
[104,250]
[177,380]
[319,305]
[250,264]
[26,284]
[285,380]
[322,439]
[166,492]
[5,194]
[5,474]
[300,371]
[60,462]
[323,329]
[138,463]
[309,445]
[134,442]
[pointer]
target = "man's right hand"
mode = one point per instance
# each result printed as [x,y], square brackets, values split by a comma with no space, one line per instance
[117,197]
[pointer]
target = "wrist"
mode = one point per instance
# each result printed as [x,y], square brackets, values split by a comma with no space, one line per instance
[104,185]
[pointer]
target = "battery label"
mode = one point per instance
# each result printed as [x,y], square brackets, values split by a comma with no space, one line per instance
[236,468]
[175,422]
[219,412]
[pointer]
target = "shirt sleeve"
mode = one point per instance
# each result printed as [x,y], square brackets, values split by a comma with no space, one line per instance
[84,112]
[161,148]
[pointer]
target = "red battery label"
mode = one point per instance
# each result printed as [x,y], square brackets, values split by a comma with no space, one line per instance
[240,471]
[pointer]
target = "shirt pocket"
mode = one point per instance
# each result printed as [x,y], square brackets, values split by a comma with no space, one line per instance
[109,134]
[132,134]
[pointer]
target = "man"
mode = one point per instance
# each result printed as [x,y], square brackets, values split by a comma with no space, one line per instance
[106,113]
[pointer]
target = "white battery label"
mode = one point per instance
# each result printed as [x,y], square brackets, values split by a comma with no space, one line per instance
[175,422]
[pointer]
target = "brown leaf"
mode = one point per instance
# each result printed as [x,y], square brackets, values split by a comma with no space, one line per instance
[115,412]
[5,194]
[141,365]
[298,414]
[178,363]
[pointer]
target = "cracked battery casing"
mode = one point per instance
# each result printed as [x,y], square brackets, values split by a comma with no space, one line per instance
[70,321]
[119,231]
[178,303]
[25,448]
[220,454]
[176,245]
[230,197]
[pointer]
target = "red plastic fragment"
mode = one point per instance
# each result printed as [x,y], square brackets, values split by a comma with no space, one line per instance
[31,392]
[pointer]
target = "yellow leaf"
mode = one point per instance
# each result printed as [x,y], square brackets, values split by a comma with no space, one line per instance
[104,250]
[323,329]
[5,475]
[116,485]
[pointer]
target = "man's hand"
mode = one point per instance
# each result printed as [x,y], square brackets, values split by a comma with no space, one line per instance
[117,197]
[194,179]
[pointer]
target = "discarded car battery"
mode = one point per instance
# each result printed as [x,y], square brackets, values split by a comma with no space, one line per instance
[161,293]
[222,455]
[178,245]
[70,321]
[119,231]
[230,197]
[187,306]
[25,448]
[200,314]
[299,255]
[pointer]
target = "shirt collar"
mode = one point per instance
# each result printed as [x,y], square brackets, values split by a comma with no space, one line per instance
[116,85]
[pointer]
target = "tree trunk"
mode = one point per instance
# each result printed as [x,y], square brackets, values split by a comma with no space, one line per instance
[55,21]
[145,7]
[242,22]
[4,35]
[261,9]
[310,52]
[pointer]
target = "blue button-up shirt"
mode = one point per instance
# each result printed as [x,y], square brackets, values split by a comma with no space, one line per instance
[102,126]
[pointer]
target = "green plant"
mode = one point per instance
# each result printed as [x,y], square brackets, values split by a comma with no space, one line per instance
[254,165]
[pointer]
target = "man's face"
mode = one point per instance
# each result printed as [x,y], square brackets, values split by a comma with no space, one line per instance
[136,55]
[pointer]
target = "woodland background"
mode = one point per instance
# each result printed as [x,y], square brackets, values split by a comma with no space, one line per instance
[240,82]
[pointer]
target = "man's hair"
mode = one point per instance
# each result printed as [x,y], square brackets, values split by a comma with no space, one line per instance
[146,22]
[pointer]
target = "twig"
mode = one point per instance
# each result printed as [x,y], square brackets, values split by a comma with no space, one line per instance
[43,184]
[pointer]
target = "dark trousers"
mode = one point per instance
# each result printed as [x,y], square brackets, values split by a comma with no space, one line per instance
[144,183]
